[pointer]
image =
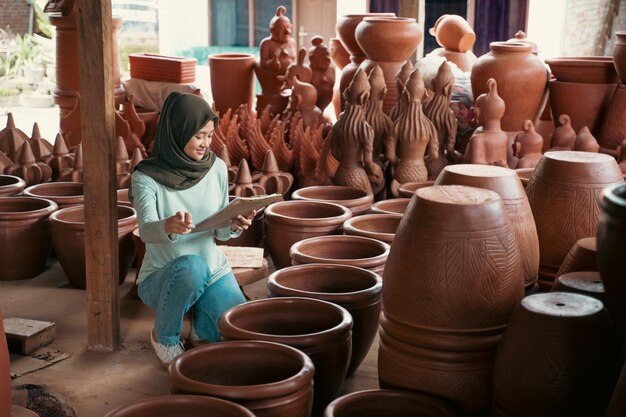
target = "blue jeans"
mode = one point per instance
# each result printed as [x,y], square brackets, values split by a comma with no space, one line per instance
[181,284]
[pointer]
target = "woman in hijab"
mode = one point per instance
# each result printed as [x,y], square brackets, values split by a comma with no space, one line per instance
[183,181]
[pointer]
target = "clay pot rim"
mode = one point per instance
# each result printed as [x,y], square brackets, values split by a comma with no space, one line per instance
[270,212]
[505,181]
[45,209]
[576,84]
[296,254]
[57,216]
[17,181]
[379,206]
[364,198]
[584,61]
[364,15]
[389,19]
[407,188]
[32,190]
[613,200]
[231,56]
[507,46]
[258,391]
[351,227]
[135,409]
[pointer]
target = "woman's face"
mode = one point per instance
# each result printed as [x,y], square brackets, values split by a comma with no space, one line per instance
[199,143]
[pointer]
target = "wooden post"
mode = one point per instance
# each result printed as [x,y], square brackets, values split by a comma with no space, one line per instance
[95,55]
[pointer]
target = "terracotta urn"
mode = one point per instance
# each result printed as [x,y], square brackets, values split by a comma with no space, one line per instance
[11,185]
[357,200]
[25,236]
[407,189]
[68,237]
[358,251]
[453,33]
[288,222]
[521,78]
[506,183]
[584,69]
[269,379]
[391,206]
[355,289]
[613,127]
[375,226]
[320,329]
[581,257]
[65,194]
[5,374]
[570,358]
[232,80]
[563,193]
[452,280]
[619,55]
[586,283]
[181,405]
[387,402]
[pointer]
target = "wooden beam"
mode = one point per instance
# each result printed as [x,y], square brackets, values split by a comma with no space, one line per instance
[95,54]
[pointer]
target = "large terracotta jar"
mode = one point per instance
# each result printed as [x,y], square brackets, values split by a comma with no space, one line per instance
[387,402]
[375,226]
[584,69]
[65,194]
[181,405]
[318,328]
[388,42]
[355,289]
[11,185]
[269,379]
[288,222]
[558,357]
[5,374]
[232,80]
[619,55]
[357,200]
[613,127]
[506,183]
[24,236]
[391,206]
[452,280]
[68,237]
[521,78]
[581,257]
[563,193]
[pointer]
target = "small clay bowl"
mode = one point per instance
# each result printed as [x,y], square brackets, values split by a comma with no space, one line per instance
[391,206]
[357,200]
[65,194]
[376,226]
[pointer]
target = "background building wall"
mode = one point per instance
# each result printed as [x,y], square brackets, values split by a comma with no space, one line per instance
[14,14]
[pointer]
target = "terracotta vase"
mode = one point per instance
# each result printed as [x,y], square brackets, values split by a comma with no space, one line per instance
[581,257]
[521,78]
[386,402]
[355,289]
[611,247]
[288,222]
[181,405]
[443,312]
[269,379]
[584,69]
[318,328]
[586,283]
[453,33]
[391,206]
[11,185]
[407,189]
[619,55]
[25,236]
[375,226]
[506,183]
[232,80]
[65,194]
[355,199]
[358,251]
[338,53]
[570,358]
[563,193]
[5,374]
[613,127]
[68,237]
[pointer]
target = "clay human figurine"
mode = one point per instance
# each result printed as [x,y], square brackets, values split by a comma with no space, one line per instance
[323,72]
[585,141]
[489,144]
[413,135]
[439,112]
[353,139]
[527,146]
[297,69]
[564,136]
[401,78]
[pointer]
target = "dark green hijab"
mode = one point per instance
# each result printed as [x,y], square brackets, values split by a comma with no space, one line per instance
[181,117]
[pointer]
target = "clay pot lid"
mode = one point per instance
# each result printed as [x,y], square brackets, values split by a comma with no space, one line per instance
[23,208]
[520,36]
[314,213]
[562,304]
[502,180]
[358,251]
[504,46]
[177,405]
[376,226]
[588,281]
[395,206]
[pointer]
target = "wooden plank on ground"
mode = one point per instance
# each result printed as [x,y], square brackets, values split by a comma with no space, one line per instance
[243,256]
[24,336]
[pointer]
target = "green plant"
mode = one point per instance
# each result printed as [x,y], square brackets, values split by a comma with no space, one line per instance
[20,51]
[8,91]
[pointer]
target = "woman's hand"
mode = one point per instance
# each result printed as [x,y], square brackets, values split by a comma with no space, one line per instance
[242,222]
[180,223]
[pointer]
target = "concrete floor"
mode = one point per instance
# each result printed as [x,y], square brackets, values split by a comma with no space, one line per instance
[94,383]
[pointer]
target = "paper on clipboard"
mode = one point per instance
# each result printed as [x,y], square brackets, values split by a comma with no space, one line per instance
[239,205]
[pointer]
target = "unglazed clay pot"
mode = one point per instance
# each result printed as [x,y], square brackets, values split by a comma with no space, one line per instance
[581,257]
[122,197]
[563,193]
[443,312]
[232,80]
[5,374]
[68,237]
[407,189]
[386,402]
[11,185]
[613,128]
[318,328]
[570,358]
[344,250]
[24,237]
[288,222]
[454,33]
[506,183]
[269,379]
[338,53]
[65,194]
[619,55]
[584,69]
[391,206]
[376,226]
[355,289]
[582,282]
[181,405]
[524,175]
[521,78]
[357,200]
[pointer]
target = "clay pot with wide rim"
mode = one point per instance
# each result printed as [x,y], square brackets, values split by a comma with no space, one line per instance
[619,55]
[11,185]
[407,189]
[586,283]
[24,236]
[391,206]
[355,289]
[68,237]
[387,402]
[318,328]
[232,80]
[343,250]
[65,194]
[181,405]
[5,374]
[584,69]
[288,222]
[563,193]
[375,226]
[122,197]
[269,379]
[357,200]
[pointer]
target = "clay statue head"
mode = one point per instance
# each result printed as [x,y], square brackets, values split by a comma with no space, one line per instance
[528,142]
[296,69]
[377,84]
[414,89]
[358,91]
[304,95]
[489,106]
[319,56]
[444,81]
[280,26]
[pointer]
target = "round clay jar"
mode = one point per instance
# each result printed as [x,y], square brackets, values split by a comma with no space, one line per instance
[376,226]
[391,206]
[11,185]
[65,194]
[181,405]
[357,200]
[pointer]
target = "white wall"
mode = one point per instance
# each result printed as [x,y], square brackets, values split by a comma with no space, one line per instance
[546,26]
[183,24]
[351,7]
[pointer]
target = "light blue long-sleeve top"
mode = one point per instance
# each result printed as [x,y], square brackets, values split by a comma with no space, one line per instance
[155,202]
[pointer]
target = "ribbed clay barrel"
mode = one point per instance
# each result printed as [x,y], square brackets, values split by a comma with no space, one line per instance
[452,279]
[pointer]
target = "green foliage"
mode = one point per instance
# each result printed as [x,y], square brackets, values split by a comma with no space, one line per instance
[19,51]
[43,23]
[8,91]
